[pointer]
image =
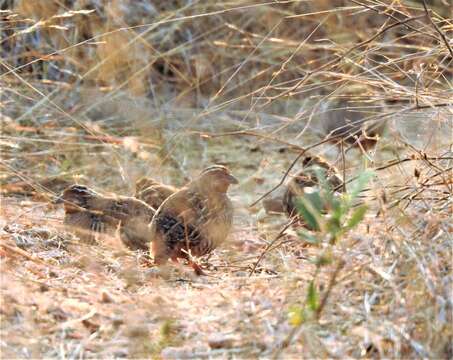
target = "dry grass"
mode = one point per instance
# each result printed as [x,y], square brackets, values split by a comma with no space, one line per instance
[102,93]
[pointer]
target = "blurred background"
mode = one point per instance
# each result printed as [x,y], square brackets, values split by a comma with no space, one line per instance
[125,82]
[105,92]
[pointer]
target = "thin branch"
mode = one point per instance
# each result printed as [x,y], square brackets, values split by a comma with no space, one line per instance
[438,29]
[267,248]
[251,133]
[332,282]
[339,59]
[18,251]
[385,13]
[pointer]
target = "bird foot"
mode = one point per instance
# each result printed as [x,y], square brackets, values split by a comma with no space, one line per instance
[197,268]
[146,261]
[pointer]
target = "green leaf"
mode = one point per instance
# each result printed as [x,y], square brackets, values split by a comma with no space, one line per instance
[357,216]
[308,237]
[309,213]
[360,184]
[323,260]
[328,198]
[338,208]
[312,297]
[321,175]
[333,225]
[313,195]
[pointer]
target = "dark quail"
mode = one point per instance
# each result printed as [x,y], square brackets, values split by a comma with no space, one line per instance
[89,214]
[194,220]
[153,192]
[306,178]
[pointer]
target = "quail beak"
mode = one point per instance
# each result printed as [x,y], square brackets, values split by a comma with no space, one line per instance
[232,179]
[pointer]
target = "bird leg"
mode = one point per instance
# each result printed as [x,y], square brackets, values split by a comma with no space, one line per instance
[197,268]
[145,260]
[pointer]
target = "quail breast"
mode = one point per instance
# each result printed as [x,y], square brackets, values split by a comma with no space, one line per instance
[196,219]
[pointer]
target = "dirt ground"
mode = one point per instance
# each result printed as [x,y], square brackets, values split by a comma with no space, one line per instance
[102,93]
[62,298]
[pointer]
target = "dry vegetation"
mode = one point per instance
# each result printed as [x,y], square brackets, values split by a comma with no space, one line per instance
[104,92]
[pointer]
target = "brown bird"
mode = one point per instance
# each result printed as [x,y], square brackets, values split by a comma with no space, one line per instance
[194,220]
[89,214]
[353,121]
[153,192]
[307,178]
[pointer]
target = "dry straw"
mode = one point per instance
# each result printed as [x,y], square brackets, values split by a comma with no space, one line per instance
[103,93]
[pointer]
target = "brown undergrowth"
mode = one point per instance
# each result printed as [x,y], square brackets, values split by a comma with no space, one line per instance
[102,93]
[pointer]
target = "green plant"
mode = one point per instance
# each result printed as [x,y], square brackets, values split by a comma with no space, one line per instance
[330,216]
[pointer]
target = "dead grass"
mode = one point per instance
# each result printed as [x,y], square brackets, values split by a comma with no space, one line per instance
[102,93]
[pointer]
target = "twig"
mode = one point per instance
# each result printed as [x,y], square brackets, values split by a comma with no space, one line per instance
[420,107]
[385,13]
[298,157]
[19,251]
[339,59]
[250,133]
[266,249]
[423,186]
[282,180]
[343,164]
[290,337]
[442,35]
[330,139]
[72,322]
[400,161]
[332,282]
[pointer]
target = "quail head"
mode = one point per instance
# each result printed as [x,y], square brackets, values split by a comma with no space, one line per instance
[307,178]
[89,214]
[152,192]
[353,121]
[194,220]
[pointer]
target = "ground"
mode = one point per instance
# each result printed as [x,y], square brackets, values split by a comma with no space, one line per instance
[103,93]
[77,300]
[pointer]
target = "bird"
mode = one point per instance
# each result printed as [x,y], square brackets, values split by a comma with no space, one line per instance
[307,178]
[153,192]
[89,214]
[194,220]
[274,205]
[352,120]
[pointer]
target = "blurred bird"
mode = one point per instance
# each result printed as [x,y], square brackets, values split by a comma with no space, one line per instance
[194,220]
[353,121]
[90,214]
[153,192]
[274,205]
[307,178]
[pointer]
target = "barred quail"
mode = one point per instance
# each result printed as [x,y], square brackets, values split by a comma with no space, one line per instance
[307,178]
[89,214]
[152,192]
[194,220]
[347,119]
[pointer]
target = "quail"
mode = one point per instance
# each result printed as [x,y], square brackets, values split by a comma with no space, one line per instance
[307,178]
[353,121]
[194,220]
[88,214]
[152,192]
